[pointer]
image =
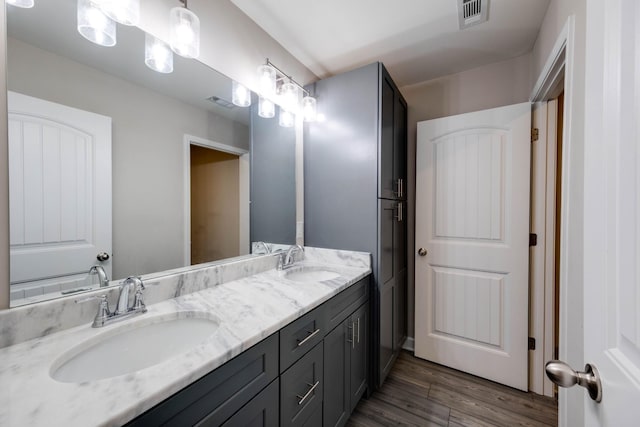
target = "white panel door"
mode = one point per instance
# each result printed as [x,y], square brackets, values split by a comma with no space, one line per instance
[472,218]
[612,213]
[59,189]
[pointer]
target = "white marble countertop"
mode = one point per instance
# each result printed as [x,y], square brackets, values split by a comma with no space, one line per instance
[248,310]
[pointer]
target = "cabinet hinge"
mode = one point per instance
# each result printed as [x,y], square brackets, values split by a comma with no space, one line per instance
[535,134]
[533,239]
[532,343]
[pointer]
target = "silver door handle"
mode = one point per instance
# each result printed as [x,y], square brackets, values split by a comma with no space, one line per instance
[422,252]
[102,256]
[303,398]
[400,216]
[400,187]
[564,376]
[308,337]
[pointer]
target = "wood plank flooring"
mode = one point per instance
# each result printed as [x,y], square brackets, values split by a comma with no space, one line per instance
[421,393]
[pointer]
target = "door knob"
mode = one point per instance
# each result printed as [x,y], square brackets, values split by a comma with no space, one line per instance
[564,376]
[422,252]
[102,256]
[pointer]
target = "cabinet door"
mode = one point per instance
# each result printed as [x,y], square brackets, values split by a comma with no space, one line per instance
[358,364]
[337,348]
[261,411]
[301,389]
[400,146]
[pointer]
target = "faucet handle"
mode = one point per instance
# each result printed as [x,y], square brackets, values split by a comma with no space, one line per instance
[103,309]
[138,302]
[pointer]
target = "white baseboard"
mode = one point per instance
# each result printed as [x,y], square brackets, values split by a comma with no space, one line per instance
[409,344]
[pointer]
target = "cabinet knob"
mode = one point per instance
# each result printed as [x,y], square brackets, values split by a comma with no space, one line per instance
[422,252]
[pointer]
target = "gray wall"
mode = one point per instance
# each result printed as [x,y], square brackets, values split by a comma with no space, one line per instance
[489,86]
[147,150]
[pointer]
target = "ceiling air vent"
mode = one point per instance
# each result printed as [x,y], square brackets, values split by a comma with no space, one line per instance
[220,101]
[472,12]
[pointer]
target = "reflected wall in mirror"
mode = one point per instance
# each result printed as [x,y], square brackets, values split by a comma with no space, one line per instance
[116,165]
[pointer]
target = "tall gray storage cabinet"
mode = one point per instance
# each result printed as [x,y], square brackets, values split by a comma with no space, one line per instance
[354,185]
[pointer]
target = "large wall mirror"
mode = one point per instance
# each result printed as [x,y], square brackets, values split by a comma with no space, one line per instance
[112,164]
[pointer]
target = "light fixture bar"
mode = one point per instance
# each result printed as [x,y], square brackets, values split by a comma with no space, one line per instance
[271,64]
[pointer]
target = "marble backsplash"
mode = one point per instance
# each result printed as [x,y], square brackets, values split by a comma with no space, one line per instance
[36,320]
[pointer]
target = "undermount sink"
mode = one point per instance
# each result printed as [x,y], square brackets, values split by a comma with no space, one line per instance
[133,347]
[310,274]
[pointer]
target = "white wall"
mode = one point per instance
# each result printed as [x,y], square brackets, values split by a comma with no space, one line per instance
[572,352]
[4,175]
[147,148]
[489,86]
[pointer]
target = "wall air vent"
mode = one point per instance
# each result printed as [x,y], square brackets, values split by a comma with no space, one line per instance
[220,101]
[472,12]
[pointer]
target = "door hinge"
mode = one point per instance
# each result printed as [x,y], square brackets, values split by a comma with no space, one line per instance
[532,343]
[533,239]
[535,134]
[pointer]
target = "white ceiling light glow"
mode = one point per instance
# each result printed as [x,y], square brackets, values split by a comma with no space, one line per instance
[184,31]
[94,25]
[25,4]
[266,108]
[240,95]
[157,55]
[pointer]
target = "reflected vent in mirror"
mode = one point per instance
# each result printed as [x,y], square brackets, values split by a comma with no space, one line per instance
[220,101]
[472,12]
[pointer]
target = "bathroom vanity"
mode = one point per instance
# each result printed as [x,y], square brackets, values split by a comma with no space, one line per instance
[288,348]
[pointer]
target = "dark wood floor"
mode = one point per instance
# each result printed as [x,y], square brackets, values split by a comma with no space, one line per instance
[421,393]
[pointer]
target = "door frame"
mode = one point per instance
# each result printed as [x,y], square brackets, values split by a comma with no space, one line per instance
[243,155]
[559,68]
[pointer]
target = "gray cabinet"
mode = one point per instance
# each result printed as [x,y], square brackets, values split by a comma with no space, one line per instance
[346,367]
[301,389]
[261,411]
[355,166]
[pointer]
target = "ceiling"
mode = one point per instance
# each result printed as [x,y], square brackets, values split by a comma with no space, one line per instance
[417,40]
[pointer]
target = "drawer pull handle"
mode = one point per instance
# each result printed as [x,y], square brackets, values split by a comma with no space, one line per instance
[303,398]
[358,330]
[311,335]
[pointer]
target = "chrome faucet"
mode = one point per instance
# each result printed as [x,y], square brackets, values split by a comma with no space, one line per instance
[264,245]
[124,309]
[103,279]
[287,259]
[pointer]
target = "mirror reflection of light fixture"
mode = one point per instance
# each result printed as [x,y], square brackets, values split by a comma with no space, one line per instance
[309,109]
[157,55]
[126,12]
[267,80]
[184,31]
[94,25]
[240,95]
[266,108]
[286,118]
[269,76]
[26,4]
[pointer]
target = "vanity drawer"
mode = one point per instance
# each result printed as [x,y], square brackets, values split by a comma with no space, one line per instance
[218,395]
[261,411]
[301,335]
[301,390]
[346,302]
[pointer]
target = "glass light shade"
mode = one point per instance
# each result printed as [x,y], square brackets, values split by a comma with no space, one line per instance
[94,25]
[266,108]
[289,94]
[267,80]
[184,32]
[157,55]
[126,12]
[26,4]
[286,119]
[309,109]
[241,96]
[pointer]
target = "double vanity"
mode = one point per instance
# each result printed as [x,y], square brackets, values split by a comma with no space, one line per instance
[232,342]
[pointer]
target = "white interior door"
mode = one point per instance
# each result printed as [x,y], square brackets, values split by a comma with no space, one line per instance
[612,212]
[59,188]
[472,218]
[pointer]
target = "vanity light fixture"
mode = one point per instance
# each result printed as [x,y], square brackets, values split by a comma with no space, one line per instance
[270,78]
[25,4]
[266,108]
[184,31]
[157,54]
[126,12]
[94,25]
[240,96]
